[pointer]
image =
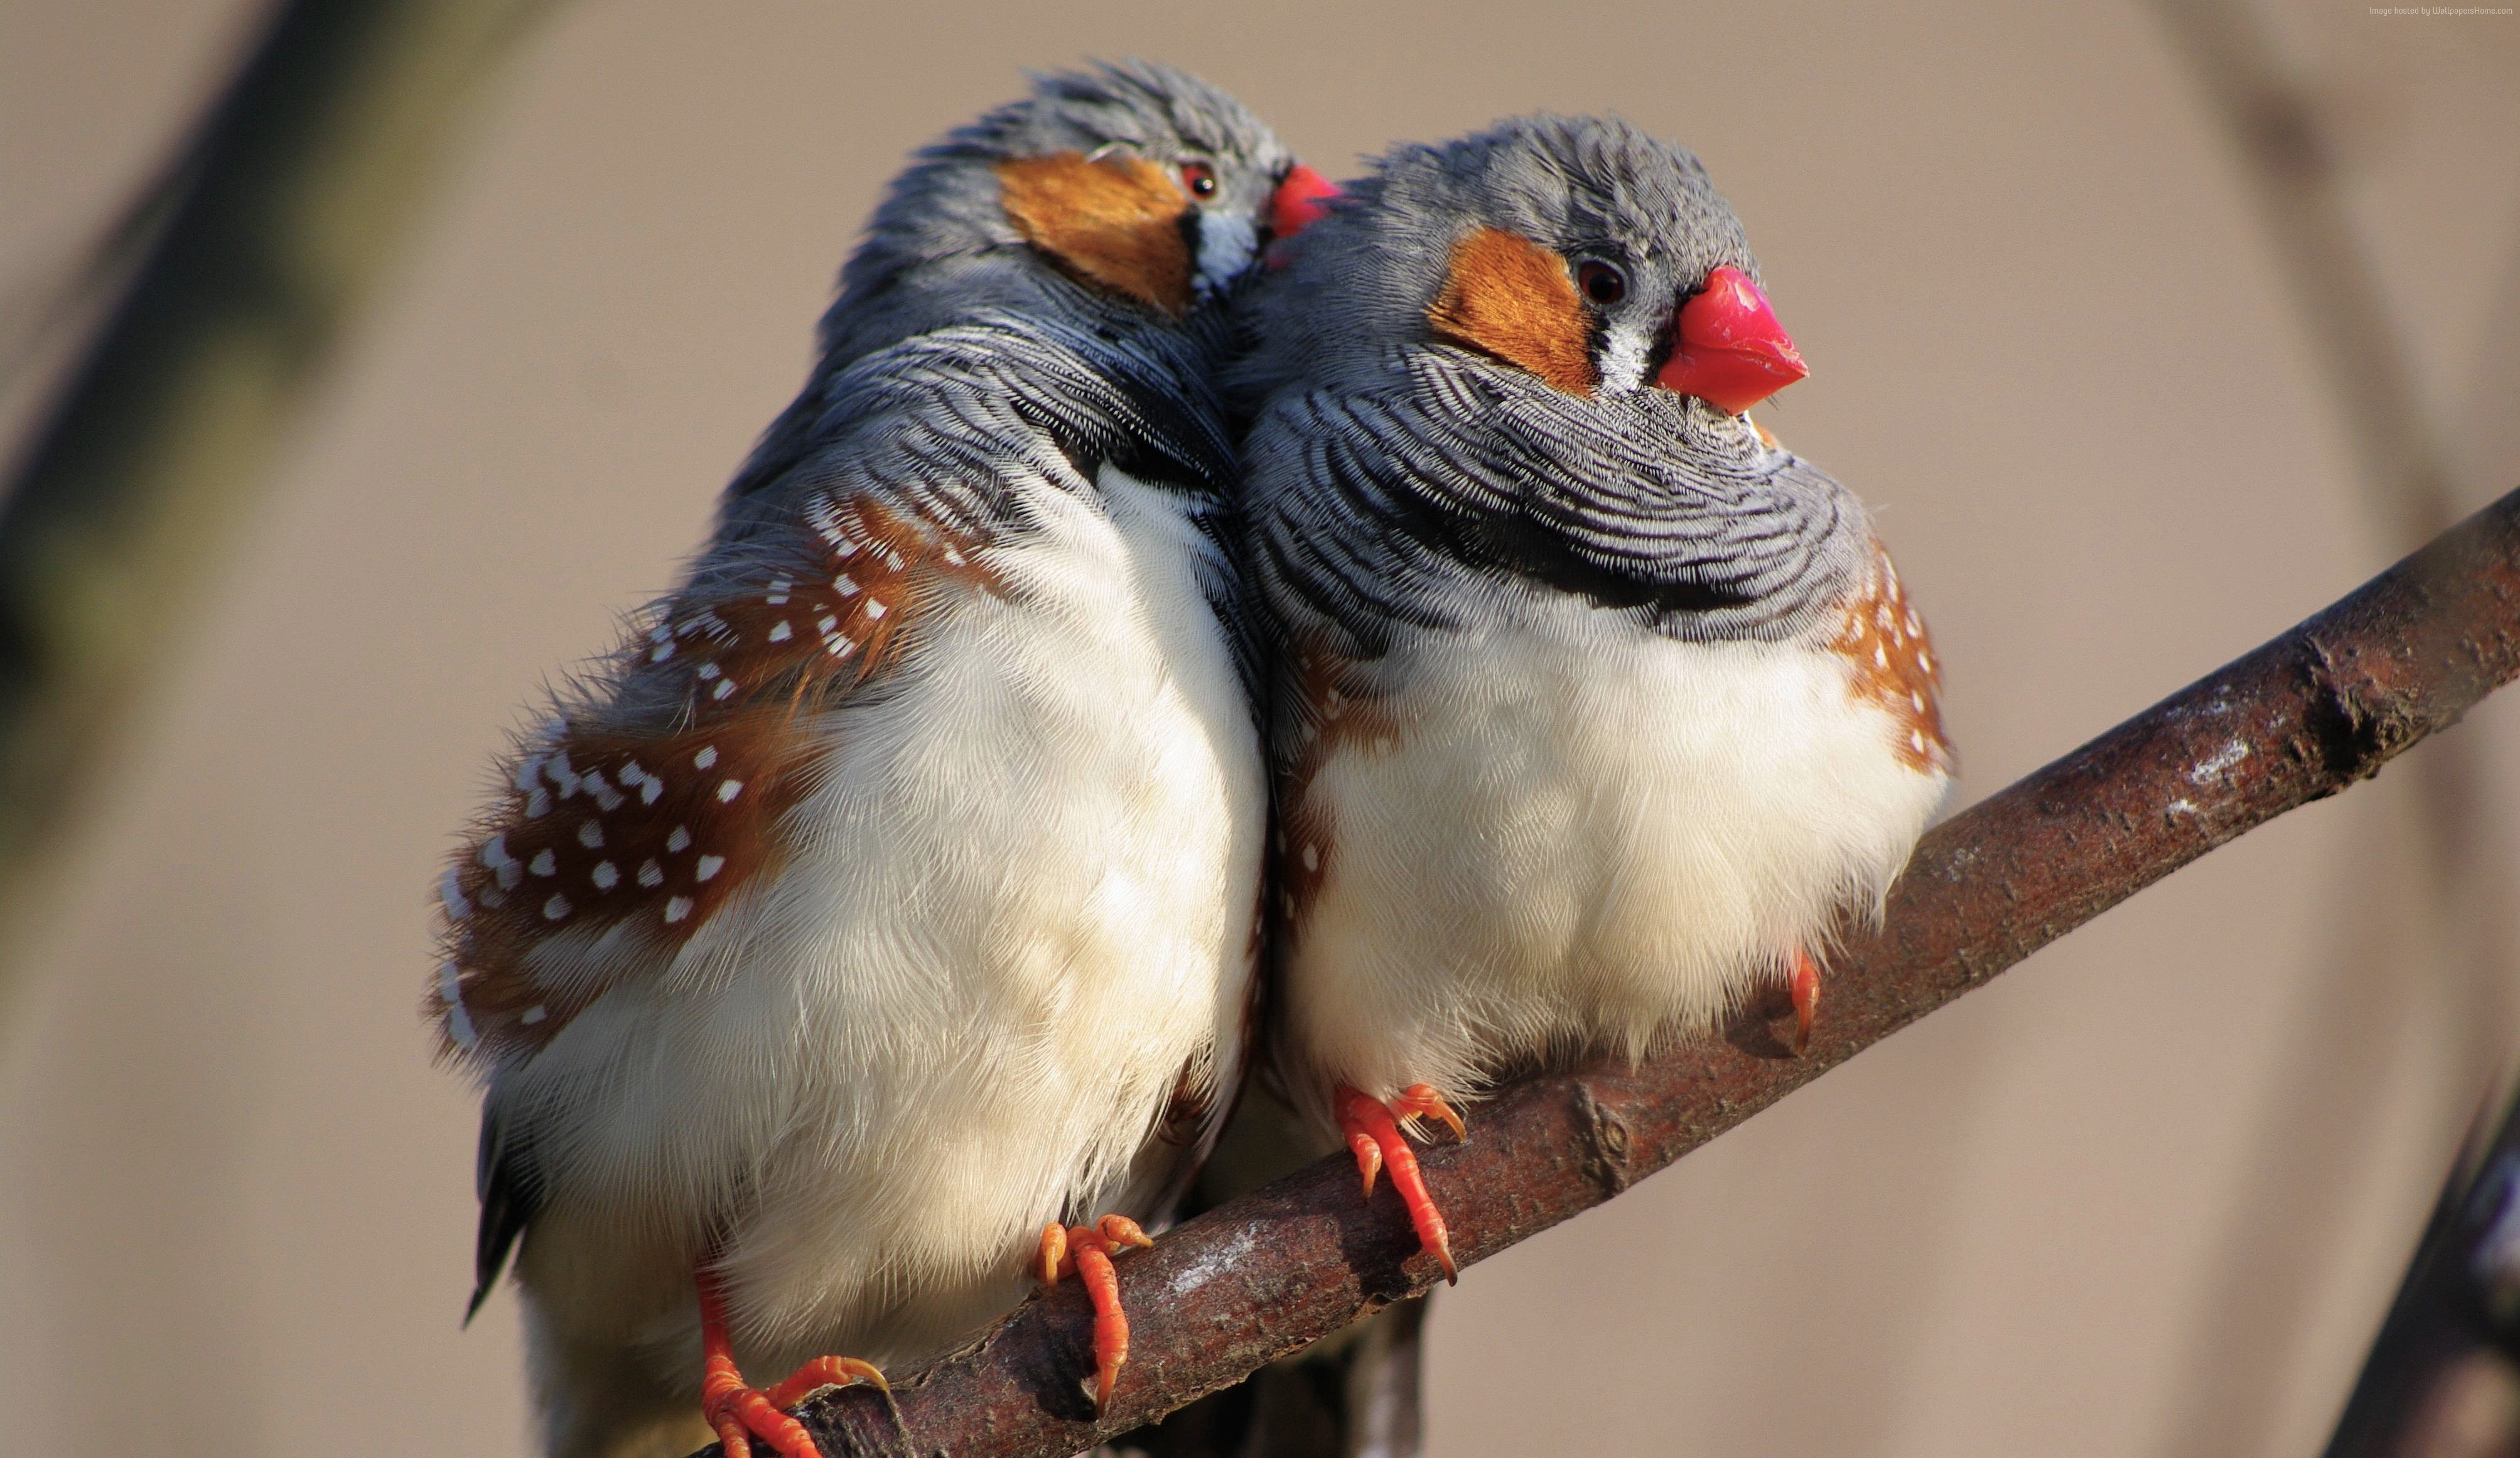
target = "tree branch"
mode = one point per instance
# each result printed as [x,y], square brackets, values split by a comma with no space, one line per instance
[267,232]
[2299,719]
[2440,1381]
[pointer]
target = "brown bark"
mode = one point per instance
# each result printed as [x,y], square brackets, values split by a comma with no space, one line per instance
[2301,718]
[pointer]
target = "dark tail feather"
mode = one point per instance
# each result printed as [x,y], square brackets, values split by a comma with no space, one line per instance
[507,1201]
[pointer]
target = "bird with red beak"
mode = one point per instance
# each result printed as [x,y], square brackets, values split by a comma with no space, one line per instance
[1597,710]
[870,933]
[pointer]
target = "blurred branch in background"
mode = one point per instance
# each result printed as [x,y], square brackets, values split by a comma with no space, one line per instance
[2301,718]
[2291,161]
[2325,1116]
[2442,1382]
[256,247]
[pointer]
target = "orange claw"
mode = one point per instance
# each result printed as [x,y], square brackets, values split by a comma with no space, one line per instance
[1420,1101]
[1374,1136]
[1087,1250]
[1803,980]
[740,1413]
[826,1372]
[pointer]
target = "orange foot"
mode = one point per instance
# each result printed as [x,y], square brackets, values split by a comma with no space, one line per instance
[1087,1250]
[1803,980]
[740,1413]
[1373,1130]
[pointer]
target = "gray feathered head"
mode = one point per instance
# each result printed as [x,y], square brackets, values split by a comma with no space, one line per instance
[1512,368]
[1567,247]
[1128,187]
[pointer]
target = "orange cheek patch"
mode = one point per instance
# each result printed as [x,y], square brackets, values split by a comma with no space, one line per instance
[1885,641]
[1509,297]
[1115,223]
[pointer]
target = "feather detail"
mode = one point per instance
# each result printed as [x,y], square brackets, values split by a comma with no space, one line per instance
[635,835]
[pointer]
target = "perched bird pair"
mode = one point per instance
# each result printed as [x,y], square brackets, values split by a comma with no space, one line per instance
[890,908]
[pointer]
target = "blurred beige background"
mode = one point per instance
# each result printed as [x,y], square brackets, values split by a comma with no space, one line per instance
[2149,1193]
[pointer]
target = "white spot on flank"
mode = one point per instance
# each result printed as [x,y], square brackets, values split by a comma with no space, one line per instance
[843,548]
[826,623]
[710,865]
[1924,661]
[1880,657]
[1915,624]
[677,908]
[778,597]
[1916,740]
[728,790]
[723,689]
[459,1022]
[663,652]
[874,609]
[590,834]
[648,790]
[679,841]
[780,631]
[2178,807]
[527,772]
[708,671]
[840,644]
[545,864]
[1882,615]
[556,771]
[535,1014]
[1312,859]
[538,804]
[631,773]
[705,757]
[494,855]
[1916,699]
[605,876]
[847,584]
[953,557]
[651,875]
[451,896]
[556,908]
[508,874]
[2219,761]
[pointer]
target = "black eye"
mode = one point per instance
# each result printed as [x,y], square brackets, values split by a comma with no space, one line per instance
[1200,179]
[1601,283]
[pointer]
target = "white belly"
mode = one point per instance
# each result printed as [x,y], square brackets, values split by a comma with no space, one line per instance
[1582,835]
[1021,902]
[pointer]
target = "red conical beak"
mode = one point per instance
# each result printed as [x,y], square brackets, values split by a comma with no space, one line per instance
[1727,349]
[1301,200]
